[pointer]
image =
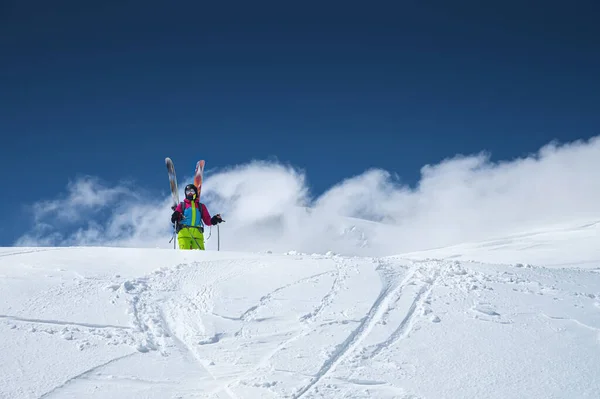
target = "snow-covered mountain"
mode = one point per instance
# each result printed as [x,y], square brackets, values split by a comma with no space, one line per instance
[514,317]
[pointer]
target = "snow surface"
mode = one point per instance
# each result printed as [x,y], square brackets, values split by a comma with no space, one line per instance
[517,317]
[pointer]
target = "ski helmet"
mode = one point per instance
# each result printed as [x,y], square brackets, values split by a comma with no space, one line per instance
[188,191]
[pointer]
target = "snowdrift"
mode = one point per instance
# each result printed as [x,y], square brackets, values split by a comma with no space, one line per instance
[511,318]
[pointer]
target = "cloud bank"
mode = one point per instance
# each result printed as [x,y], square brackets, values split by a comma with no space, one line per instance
[268,206]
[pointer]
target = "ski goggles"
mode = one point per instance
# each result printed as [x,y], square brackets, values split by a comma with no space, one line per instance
[190,191]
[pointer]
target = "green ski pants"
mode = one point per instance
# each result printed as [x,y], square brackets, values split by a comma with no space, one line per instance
[190,238]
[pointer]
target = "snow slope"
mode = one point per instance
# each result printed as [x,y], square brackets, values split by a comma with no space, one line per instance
[158,323]
[563,245]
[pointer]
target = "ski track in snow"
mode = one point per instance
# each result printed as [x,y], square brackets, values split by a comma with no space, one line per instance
[5,254]
[250,314]
[422,296]
[147,311]
[150,305]
[172,308]
[85,373]
[384,303]
[306,320]
[63,323]
[579,323]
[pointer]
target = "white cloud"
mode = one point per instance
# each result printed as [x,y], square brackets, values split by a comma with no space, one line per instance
[85,196]
[257,191]
[267,206]
[93,214]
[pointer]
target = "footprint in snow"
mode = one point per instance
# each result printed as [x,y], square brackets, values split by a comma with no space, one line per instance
[211,340]
[486,308]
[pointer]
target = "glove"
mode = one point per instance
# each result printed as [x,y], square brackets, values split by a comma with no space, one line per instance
[216,219]
[176,217]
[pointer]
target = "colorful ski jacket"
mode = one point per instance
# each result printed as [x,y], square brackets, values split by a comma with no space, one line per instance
[191,213]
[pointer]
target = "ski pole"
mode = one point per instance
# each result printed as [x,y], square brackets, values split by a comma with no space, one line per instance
[173,236]
[194,238]
[218,239]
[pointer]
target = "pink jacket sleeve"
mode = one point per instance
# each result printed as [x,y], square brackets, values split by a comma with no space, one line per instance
[205,216]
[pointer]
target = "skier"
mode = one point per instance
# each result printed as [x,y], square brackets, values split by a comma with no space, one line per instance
[191,216]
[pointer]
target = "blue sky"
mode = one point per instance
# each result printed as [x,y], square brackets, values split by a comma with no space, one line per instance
[110,90]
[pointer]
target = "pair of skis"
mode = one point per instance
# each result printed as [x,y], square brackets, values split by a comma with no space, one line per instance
[198,177]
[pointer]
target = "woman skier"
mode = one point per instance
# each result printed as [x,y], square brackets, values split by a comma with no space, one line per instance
[190,217]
